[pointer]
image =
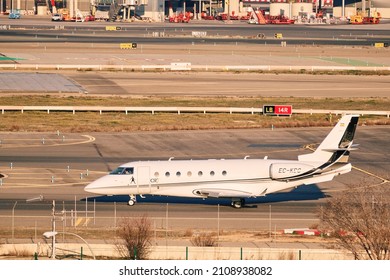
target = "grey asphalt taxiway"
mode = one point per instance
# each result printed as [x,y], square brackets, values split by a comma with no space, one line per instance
[59,169]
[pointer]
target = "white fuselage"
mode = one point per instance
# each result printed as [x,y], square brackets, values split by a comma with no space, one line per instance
[233,178]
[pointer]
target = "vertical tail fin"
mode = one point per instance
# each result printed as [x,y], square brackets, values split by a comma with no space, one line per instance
[337,144]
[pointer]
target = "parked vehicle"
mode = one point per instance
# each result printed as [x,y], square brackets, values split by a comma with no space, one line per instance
[14,15]
[57,17]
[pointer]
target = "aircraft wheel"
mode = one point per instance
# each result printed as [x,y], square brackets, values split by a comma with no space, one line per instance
[238,204]
[131,202]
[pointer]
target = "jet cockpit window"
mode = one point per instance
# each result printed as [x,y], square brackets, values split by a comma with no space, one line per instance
[128,171]
[117,171]
[123,171]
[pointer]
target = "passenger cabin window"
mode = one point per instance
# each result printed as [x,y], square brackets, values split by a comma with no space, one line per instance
[123,171]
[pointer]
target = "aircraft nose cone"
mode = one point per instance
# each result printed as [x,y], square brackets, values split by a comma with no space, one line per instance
[89,188]
[92,187]
[98,186]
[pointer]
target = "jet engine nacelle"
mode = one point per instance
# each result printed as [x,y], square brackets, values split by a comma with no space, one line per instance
[287,170]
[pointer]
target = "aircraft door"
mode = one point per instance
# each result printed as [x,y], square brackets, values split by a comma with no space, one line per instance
[143,180]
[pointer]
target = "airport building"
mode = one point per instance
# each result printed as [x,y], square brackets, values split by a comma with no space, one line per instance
[159,10]
[348,8]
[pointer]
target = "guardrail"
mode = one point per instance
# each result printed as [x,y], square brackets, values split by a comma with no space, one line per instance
[190,67]
[179,110]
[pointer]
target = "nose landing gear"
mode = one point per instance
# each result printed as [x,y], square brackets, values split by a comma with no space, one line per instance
[132,200]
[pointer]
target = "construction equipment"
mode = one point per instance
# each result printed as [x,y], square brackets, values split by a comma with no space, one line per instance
[180,18]
[257,17]
[362,18]
[205,16]
[224,16]
[65,14]
[281,20]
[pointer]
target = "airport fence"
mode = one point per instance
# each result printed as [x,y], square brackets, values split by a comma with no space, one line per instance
[178,110]
[23,225]
[110,251]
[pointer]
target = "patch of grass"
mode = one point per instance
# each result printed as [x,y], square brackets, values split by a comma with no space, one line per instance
[150,101]
[120,122]
[32,121]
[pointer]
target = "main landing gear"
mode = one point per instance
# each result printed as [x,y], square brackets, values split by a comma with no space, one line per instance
[238,203]
[132,200]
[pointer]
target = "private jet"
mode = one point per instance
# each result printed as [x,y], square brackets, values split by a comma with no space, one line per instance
[236,179]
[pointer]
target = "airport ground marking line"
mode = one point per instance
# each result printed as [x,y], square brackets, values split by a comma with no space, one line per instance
[21,185]
[62,170]
[384,181]
[90,139]
[371,174]
[12,178]
[73,172]
[39,139]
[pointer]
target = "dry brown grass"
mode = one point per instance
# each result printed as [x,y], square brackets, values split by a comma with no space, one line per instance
[120,122]
[245,236]
[221,101]
[31,121]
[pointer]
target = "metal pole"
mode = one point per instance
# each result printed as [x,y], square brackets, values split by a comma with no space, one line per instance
[166,226]
[114,213]
[13,221]
[364,7]
[200,10]
[228,10]
[270,221]
[86,211]
[53,240]
[63,215]
[75,211]
[218,226]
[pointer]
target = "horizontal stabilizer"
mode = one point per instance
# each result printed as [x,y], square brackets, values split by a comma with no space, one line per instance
[340,149]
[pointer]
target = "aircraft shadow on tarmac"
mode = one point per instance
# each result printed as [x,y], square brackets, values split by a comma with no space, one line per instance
[303,193]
